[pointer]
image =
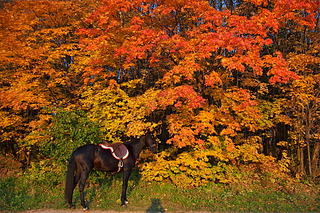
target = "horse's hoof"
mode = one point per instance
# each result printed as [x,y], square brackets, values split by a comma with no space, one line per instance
[71,206]
[124,203]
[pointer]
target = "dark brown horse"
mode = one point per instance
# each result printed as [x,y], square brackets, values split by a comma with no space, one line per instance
[90,156]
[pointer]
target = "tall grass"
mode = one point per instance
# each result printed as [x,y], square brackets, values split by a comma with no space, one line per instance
[25,192]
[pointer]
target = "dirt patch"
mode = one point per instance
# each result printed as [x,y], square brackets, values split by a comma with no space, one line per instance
[9,167]
[73,211]
[100,211]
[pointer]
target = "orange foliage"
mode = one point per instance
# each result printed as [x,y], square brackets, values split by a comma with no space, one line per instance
[191,54]
[212,75]
[38,46]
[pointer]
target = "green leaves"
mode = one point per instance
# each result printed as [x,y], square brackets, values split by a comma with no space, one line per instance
[69,130]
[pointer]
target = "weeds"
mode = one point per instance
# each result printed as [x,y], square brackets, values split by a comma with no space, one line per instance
[18,194]
[23,193]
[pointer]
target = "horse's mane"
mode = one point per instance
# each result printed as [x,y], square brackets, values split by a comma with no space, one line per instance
[133,141]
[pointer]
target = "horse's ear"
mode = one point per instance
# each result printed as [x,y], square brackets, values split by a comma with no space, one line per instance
[147,131]
[158,130]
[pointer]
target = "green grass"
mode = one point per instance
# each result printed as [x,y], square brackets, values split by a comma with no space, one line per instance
[23,193]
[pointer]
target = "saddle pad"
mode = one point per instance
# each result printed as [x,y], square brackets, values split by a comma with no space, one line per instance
[113,152]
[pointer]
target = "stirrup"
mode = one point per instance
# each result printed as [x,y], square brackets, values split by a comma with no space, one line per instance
[120,164]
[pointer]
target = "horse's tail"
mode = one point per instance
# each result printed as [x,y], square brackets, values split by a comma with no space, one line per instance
[69,187]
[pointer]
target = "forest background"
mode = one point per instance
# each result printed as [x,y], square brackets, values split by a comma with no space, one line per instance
[230,87]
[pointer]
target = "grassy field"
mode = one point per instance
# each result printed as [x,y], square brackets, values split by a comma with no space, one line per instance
[103,193]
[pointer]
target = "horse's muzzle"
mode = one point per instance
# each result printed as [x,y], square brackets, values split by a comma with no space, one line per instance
[153,148]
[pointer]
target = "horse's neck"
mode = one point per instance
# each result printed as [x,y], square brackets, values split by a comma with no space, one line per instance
[136,146]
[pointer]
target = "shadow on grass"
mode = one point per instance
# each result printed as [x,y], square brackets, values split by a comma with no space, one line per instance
[155,206]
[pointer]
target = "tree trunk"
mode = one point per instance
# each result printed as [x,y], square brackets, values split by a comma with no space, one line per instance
[315,158]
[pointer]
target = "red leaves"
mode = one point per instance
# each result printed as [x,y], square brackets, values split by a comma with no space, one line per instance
[144,37]
[192,50]
[185,137]
[279,70]
[213,79]
[181,95]
[287,10]
[242,100]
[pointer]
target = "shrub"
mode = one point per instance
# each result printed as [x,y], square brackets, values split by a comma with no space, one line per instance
[69,130]
[219,164]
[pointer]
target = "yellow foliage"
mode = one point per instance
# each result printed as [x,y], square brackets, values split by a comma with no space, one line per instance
[187,170]
[218,162]
[118,113]
[7,119]
[108,107]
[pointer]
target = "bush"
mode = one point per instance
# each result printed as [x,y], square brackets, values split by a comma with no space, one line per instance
[69,130]
[217,164]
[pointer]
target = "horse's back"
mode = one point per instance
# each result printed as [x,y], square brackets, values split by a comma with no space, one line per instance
[93,156]
[84,155]
[87,149]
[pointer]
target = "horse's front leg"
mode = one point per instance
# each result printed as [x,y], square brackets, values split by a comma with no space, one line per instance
[126,174]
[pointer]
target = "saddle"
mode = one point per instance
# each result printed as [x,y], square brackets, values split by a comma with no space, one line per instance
[118,150]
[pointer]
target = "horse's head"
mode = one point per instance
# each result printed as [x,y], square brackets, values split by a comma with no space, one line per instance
[151,142]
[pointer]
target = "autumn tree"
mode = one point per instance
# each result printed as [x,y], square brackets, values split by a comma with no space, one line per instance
[207,67]
[303,104]
[230,85]
[294,106]
[37,66]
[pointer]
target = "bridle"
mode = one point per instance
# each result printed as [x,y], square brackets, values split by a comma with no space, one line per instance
[152,146]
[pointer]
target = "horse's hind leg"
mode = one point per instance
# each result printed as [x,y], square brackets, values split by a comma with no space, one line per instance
[75,182]
[82,183]
[76,179]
